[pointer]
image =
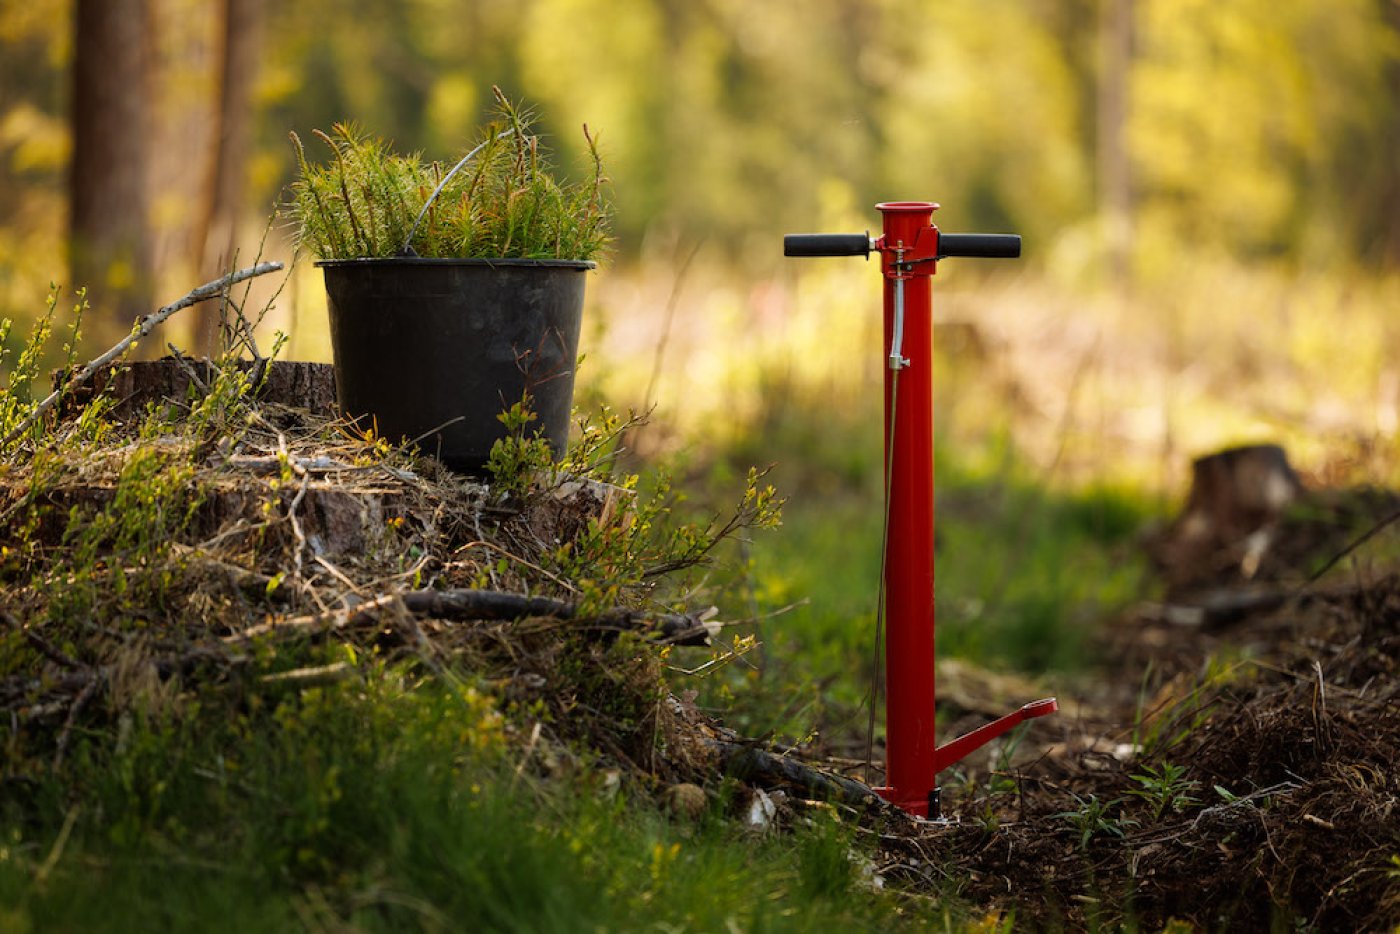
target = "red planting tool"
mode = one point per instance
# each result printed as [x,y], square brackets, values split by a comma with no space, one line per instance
[909,251]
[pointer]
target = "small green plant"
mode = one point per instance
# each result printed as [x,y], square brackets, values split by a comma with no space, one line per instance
[648,543]
[18,401]
[1166,788]
[505,201]
[517,459]
[1158,730]
[1228,796]
[826,861]
[1092,819]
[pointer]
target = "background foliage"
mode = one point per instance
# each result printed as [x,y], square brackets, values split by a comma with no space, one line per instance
[1250,129]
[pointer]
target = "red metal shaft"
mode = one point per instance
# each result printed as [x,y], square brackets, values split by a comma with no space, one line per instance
[909,249]
[909,611]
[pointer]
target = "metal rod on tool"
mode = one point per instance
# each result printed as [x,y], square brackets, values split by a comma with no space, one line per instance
[909,611]
[909,251]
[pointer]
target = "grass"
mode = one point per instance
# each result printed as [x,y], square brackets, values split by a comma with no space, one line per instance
[385,806]
[411,795]
[394,801]
[1027,574]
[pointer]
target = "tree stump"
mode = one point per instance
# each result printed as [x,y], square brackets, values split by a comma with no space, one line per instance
[1237,491]
[1237,498]
[169,380]
[341,507]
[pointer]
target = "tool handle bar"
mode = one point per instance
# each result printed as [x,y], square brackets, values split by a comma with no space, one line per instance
[989,246]
[826,245]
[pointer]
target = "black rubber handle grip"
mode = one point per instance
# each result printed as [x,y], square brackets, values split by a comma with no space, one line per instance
[826,245]
[991,246]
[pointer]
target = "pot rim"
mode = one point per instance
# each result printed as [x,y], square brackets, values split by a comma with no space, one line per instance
[489,262]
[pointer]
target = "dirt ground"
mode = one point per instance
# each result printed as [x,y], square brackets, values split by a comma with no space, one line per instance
[1243,774]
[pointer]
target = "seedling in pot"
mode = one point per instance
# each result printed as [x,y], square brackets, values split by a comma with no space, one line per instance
[454,291]
[504,200]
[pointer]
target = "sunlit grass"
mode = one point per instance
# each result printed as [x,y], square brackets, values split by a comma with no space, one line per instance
[1066,424]
[1066,427]
[1027,576]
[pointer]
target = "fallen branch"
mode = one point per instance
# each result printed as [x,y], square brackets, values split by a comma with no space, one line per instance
[461,605]
[46,648]
[318,622]
[1217,608]
[79,702]
[756,766]
[672,628]
[79,685]
[143,327]
[1356,543]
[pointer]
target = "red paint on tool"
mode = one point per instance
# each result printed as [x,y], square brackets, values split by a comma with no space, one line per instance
[909,250]
[910,763]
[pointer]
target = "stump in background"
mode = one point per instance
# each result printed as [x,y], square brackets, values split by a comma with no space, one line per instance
[1238,491]
[1237,498]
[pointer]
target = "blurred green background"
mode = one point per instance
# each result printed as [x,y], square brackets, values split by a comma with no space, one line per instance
[1209,195]
[1155,133]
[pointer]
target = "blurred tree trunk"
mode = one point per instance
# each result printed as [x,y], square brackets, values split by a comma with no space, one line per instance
[215,234]
[1115,179]
[1389,194]
[109,225]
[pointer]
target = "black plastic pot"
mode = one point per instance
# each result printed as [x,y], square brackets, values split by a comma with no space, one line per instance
[433,350]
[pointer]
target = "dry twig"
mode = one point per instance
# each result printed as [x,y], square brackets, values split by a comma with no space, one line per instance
[143,328]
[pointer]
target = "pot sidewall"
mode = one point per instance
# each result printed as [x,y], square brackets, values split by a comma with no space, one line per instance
[435,350]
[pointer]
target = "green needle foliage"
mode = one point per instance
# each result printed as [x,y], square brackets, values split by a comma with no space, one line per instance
[505,202]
